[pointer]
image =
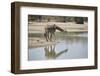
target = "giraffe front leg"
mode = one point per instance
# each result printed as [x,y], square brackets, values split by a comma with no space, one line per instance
[54,36]
[50,36]
[46,36]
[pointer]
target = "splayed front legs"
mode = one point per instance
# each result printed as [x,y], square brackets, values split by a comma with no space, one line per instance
[50,36]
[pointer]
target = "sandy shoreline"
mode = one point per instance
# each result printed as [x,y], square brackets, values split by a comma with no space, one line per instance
[70,27]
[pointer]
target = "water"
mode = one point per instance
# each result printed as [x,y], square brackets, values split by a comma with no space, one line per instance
[68,48]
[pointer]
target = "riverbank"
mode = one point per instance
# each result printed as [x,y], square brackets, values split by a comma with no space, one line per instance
[69,26]
[36,32]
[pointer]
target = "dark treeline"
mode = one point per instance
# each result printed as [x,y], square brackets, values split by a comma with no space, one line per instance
[45,18]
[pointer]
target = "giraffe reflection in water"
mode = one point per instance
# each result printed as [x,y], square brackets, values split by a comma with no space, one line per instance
[51,53]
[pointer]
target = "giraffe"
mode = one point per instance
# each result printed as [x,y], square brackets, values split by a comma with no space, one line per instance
[50,31]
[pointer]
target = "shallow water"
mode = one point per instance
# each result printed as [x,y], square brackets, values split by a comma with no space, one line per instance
[66,48]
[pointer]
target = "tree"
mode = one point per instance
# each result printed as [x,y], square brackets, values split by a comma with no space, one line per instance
[79,20]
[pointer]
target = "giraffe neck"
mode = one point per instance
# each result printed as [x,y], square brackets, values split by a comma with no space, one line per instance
[60,29]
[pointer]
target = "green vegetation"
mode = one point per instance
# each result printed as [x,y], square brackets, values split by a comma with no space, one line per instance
[62,19]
